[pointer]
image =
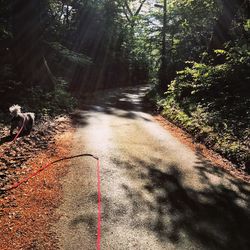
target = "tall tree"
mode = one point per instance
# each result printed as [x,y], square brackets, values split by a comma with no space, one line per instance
[222,26]
[29,19]
[131,10]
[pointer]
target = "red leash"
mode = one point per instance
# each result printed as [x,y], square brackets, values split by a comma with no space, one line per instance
[99,215]
[99,207]
[18,133]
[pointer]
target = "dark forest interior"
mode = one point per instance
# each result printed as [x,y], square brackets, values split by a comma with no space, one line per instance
[195,55]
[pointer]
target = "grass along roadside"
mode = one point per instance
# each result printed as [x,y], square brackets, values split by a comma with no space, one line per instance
[204,128]
[222,141]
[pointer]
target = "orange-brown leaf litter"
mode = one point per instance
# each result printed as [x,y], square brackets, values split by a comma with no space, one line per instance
[27,212]
[214,158]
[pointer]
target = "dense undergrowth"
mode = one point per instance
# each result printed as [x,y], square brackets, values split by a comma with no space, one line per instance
[212,103]
[38,100]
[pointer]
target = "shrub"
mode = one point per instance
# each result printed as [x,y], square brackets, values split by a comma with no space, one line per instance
[51,103]
[212,102]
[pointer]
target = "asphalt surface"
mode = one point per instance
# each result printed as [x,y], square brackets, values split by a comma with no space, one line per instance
[156,192]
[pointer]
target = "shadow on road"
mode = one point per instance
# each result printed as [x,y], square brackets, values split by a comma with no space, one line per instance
[216,217]
[124,103]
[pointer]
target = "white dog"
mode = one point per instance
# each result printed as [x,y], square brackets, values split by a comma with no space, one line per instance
[19,119]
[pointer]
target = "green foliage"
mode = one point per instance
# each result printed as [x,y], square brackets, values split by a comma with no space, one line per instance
[4,33]
[201,123]
[190,24]
[202,83]
[212,102]
[51,103]
[107,43]
[69,55]
[247,25]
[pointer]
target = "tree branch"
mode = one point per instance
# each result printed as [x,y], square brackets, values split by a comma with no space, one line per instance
[125,12]
[140,7]
[128,8]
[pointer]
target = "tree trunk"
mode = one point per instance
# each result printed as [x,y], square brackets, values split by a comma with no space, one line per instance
[27,44]
[222,26]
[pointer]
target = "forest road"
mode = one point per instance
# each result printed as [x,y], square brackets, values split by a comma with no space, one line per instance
[156,192]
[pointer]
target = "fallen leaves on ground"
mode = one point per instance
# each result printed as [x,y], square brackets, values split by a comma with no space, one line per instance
[26,213]
[215,159]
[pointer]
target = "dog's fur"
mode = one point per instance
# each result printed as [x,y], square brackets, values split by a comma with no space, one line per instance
[20,119]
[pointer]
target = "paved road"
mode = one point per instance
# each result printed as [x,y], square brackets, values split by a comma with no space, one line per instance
[156,192]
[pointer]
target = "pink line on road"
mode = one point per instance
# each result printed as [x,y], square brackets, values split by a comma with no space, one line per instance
[99,219]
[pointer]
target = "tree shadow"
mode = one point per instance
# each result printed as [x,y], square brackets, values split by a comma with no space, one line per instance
[124,103]
[10,138]
[79,118]
[88,220]
[215,216]
[111,213]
